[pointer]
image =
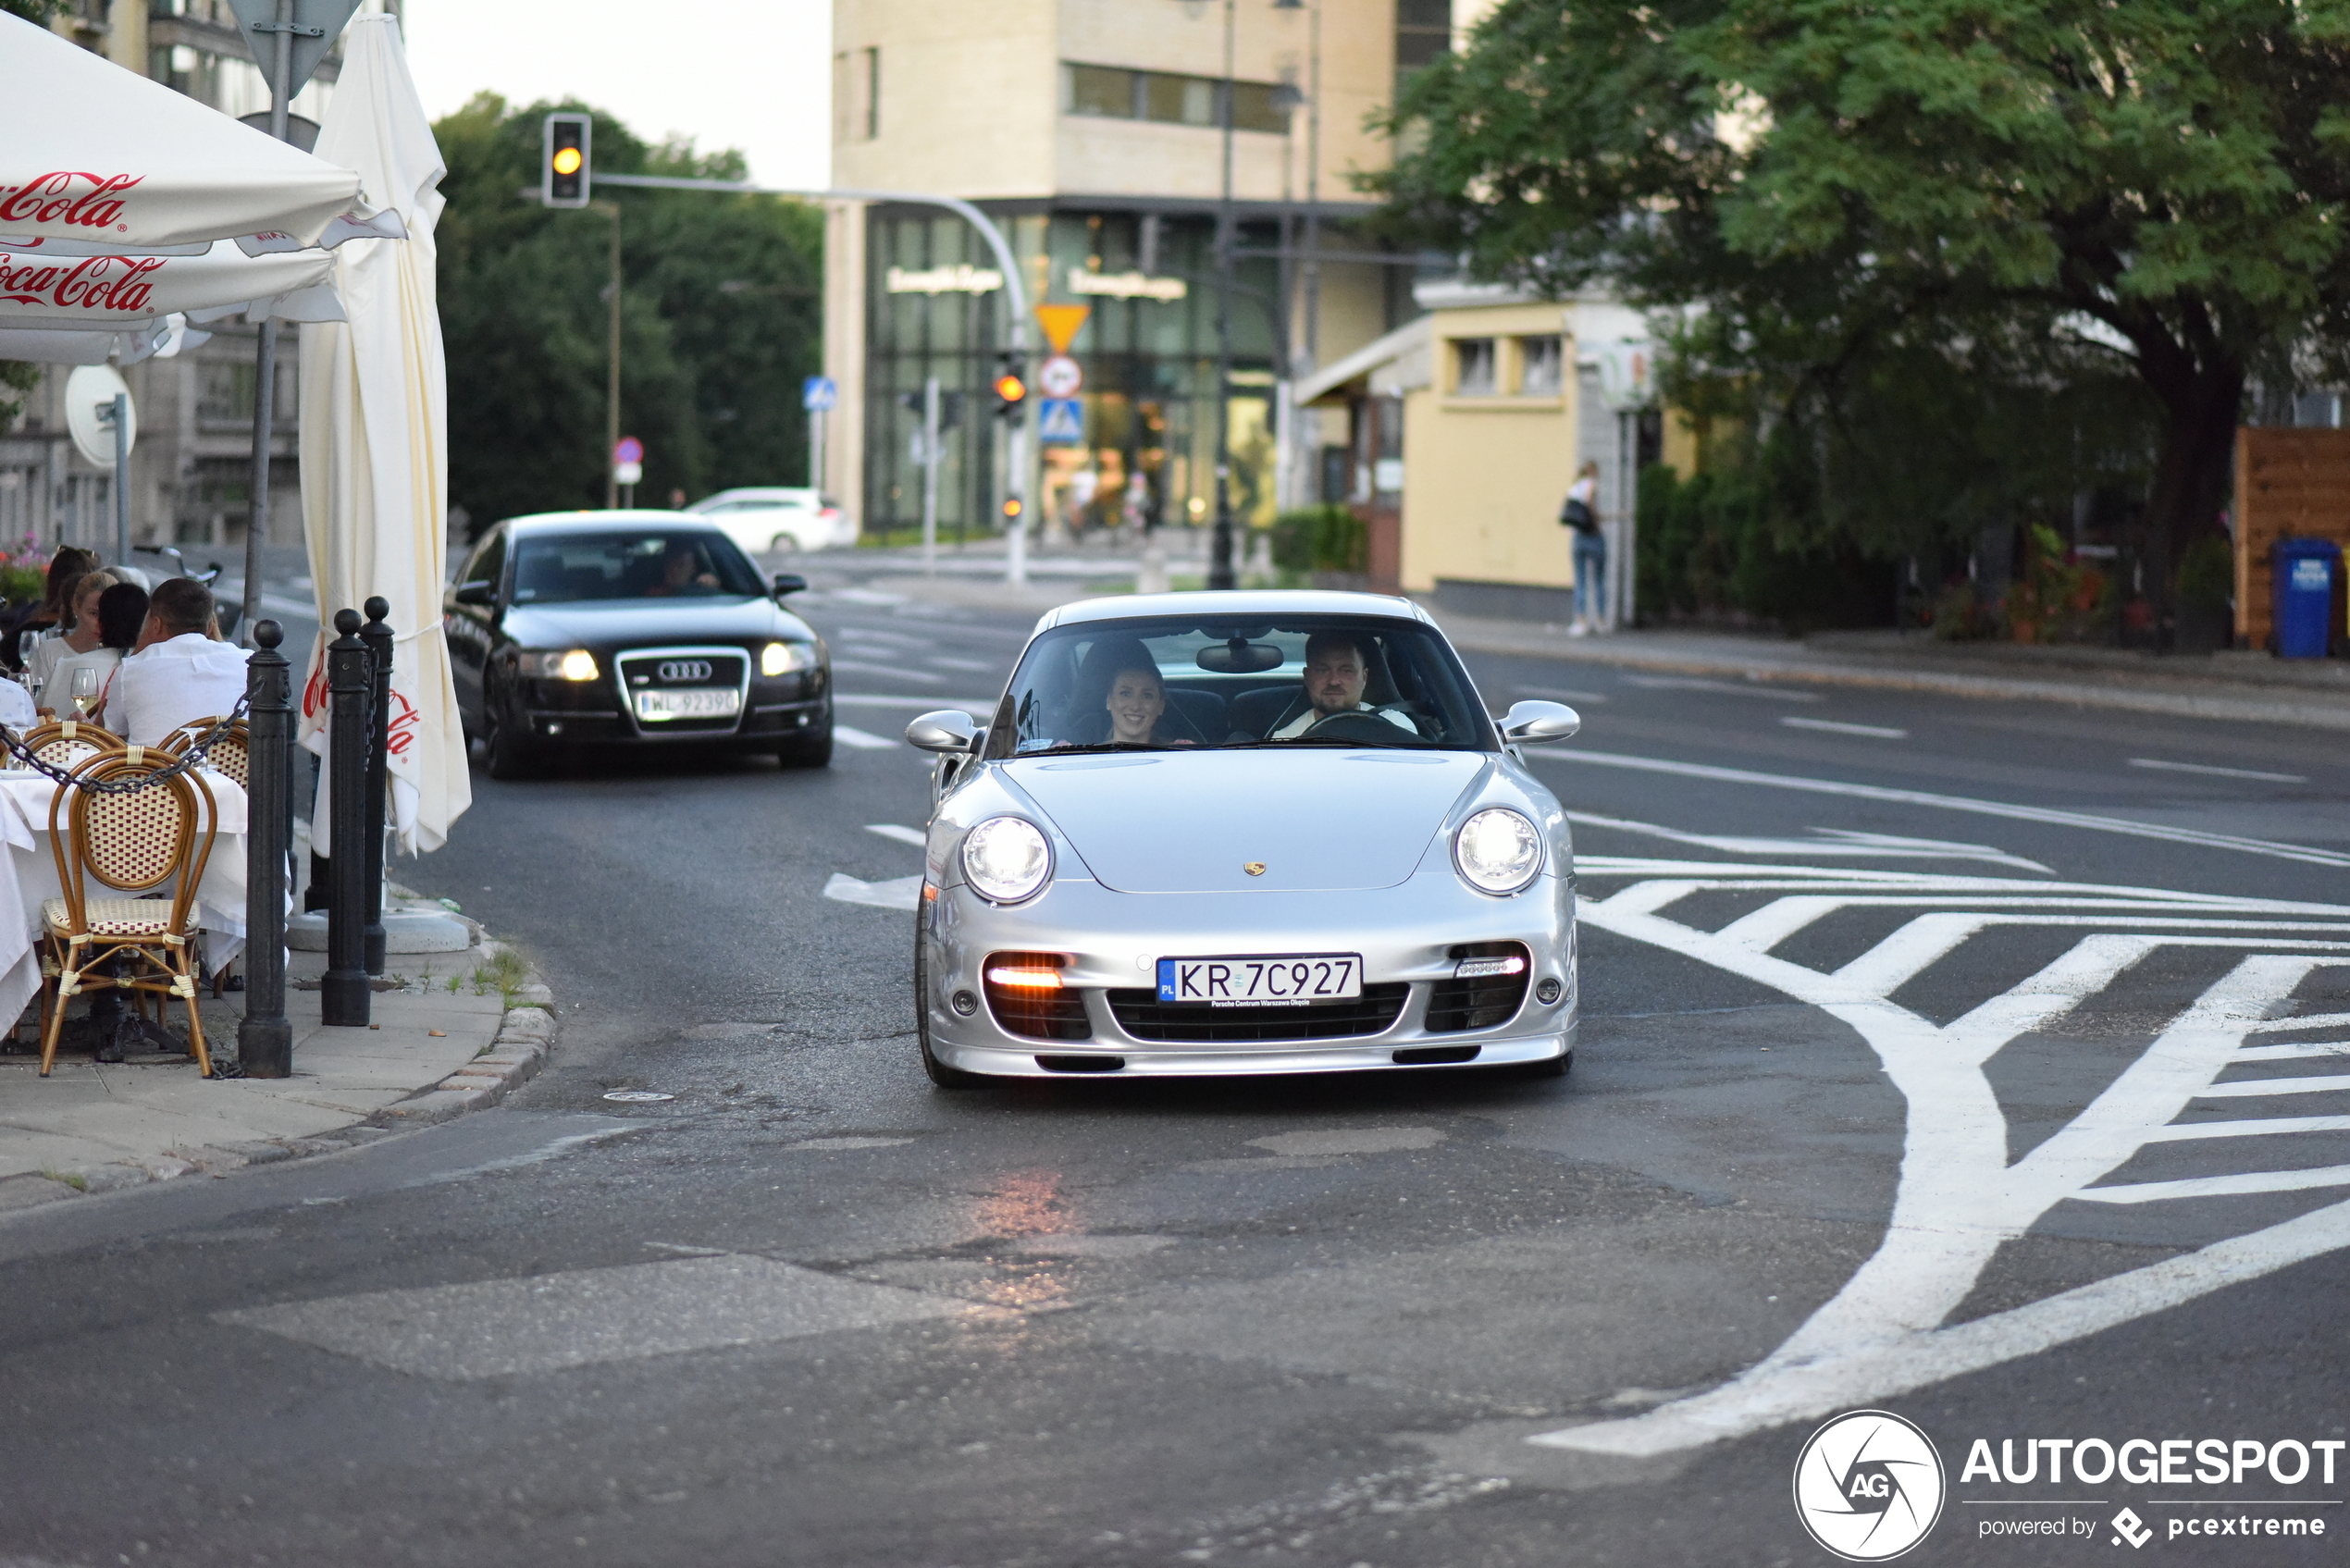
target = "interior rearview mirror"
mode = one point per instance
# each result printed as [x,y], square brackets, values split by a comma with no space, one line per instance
[789,583]
[1238,657]
[1532,723]
[480,593]
[946,730]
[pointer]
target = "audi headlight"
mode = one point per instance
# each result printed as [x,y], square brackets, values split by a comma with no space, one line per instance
[783,658]
[575,664]
[1005,859]
[1498,850]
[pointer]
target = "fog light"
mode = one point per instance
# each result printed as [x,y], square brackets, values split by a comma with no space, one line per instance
[965,1003]
[1548,991]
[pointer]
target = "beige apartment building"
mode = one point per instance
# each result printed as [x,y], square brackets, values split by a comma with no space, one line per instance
[1450,416]
[1091,131]
[191,468]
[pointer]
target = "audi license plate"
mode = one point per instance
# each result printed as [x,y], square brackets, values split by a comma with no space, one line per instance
[1291,979]
[703,702]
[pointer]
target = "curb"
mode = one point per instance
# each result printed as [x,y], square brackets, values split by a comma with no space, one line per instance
[525,1035]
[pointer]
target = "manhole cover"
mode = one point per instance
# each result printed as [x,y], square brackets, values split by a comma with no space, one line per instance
[637,1096]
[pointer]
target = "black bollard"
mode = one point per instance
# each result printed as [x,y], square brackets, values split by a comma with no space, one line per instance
[377,635]
[344,994]
[264,1040]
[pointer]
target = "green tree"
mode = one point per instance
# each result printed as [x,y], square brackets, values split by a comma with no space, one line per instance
[2056,184]
[720,320]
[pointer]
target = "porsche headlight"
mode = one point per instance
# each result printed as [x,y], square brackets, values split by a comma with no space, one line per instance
[1006,859]
[575,664]
[1498,850]
[783,658]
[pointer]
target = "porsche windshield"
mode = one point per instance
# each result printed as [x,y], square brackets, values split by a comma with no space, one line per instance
[1174,683]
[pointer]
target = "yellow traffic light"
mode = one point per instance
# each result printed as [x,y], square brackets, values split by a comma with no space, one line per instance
[567,160]
[1011,388]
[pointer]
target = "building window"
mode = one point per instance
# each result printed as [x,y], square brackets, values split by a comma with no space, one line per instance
[1114,93]
[1539,360]
[872,94]
[1473,367]
[1423,33]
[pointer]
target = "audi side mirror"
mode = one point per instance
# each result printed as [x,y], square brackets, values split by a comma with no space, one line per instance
[789,583]
[482,593]
[1532,723]
[944,731]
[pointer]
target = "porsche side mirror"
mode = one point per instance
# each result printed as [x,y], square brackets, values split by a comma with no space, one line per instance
[946,730]
[789,583]
[1532,723]
[483,594]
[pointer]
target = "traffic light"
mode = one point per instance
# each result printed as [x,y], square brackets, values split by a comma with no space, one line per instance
[564,176]
[1011,391]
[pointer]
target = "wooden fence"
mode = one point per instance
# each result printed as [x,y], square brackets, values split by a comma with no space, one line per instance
[2291,483]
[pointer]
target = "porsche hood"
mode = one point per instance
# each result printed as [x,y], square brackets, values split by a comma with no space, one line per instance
[1312,819]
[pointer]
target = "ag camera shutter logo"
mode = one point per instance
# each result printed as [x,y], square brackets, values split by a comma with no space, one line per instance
[1869,1486]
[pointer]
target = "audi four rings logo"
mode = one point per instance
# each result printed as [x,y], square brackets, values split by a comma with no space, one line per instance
[1869,1486]
[683,670]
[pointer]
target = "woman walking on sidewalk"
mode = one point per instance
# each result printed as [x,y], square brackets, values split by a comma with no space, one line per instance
[1590,551]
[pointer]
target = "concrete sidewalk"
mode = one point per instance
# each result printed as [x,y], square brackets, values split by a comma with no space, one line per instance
[457,1031]
[2244,688]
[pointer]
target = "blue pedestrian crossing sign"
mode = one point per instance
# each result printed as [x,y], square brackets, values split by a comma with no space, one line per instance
[818,394]
[1060,422]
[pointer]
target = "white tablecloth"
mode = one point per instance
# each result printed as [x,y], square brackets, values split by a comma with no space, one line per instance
[29,876]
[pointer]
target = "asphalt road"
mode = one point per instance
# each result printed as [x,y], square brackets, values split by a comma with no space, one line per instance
[1875,985]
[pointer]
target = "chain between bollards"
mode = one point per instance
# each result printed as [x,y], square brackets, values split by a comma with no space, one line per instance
[264,1040]
[378,635]
[345,996]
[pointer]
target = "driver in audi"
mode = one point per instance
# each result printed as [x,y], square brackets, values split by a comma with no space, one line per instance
[1338,667]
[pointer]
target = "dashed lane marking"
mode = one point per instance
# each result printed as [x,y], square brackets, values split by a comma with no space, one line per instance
[895,671]
[1838,842]
[1831,726]
[900,892]
[2214,771]
[864,740]
[1738,688]
[914,836]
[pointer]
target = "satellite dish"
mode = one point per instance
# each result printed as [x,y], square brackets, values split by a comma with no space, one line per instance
[301,131]
[89,390]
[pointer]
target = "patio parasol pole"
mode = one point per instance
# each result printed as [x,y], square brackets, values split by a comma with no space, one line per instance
[264,357]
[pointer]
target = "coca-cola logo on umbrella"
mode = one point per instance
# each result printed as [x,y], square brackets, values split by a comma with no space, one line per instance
[85,201]
[111,285]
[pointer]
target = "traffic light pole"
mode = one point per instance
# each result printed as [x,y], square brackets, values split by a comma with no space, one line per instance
[1015,299]
[930,476]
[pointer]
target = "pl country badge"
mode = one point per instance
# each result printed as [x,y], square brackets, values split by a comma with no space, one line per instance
[1869,1486]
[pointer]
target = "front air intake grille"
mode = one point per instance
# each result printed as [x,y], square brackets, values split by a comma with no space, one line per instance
[1480,1000]
[1039,1012]
[1141,1015]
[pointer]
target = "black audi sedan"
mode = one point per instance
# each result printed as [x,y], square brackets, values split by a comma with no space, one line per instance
[584,630]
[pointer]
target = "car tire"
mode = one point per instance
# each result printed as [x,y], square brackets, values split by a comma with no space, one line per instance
[782,544]
[510,756]
[810,750]
[939,1073]
[1556,1066]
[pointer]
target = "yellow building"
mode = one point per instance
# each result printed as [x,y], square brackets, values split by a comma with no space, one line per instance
[1091,131]
[1478,417]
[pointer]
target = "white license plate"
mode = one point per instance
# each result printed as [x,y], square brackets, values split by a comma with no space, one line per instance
[1292,979]
[696,702]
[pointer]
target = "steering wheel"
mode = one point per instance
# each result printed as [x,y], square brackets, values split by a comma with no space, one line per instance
[1358,725]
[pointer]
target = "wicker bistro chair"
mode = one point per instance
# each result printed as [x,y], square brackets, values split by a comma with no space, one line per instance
[69,743]
[230,753]
[129,842]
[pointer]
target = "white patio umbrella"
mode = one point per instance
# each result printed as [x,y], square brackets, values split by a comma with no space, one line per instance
[41,290]
[375,468]
[99,154]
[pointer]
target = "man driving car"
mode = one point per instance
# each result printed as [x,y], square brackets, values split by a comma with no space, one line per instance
[1338,667]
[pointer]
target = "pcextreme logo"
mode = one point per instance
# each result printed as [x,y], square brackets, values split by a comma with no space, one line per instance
[1869,1486]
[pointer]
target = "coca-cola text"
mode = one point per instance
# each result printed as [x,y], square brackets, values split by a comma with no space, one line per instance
[57,197]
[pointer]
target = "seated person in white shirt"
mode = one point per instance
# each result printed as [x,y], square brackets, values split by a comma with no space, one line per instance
[1338,667]
[115,620]
[176,673]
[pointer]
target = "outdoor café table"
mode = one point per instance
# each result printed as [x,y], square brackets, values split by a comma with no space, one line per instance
[30,873]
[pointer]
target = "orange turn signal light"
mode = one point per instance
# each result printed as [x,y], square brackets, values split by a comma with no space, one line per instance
[1025,979]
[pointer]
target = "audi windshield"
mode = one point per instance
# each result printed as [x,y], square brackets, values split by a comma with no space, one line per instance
[655,564]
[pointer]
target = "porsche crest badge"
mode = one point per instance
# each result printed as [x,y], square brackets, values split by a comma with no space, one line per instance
[1253,867]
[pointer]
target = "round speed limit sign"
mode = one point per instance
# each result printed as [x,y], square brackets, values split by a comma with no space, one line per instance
[1060,377]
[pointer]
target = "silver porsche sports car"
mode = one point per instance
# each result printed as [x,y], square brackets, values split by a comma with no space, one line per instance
[1243,832]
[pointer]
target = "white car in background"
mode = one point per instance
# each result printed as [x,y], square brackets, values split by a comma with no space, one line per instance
[767,520]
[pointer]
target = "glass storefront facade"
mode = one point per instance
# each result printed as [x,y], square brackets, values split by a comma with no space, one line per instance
[1143,446]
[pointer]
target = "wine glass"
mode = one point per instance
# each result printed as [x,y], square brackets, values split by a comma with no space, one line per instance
[85,690]
[25,641]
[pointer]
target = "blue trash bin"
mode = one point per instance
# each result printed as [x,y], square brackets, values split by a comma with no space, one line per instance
[2307,571]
